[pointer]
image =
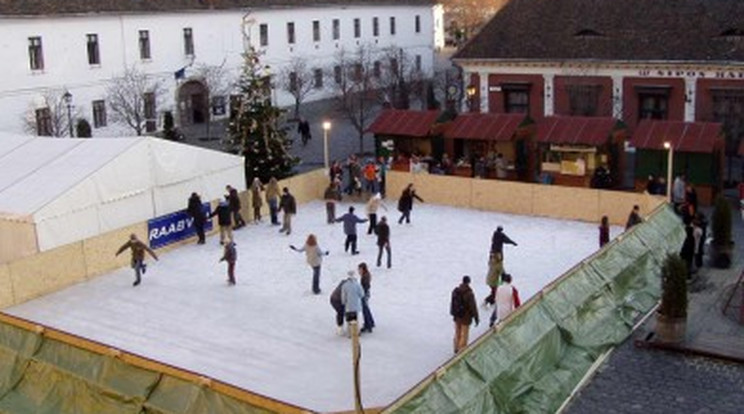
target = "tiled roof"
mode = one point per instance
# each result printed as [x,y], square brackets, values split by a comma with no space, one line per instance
[702,137]
[616,30]
[56,7]
[594,131]
[484,126]
[404,122]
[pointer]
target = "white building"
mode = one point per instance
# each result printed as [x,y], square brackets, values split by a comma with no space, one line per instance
[52,47]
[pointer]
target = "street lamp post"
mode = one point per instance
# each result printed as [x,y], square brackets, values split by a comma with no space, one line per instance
[470,92]
[326,128]
[67,97]
[670,159]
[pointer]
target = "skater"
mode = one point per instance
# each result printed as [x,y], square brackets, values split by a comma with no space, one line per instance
[493,279]
[374,203]
[352,296]
[507,300]
[633,218]
[383,241]
[366,279]
[256,188]
[230,255]
[338,306]
[138,256]
[272,196]
[303,128]
[196,212]
[604,231]
[498,240]
[350,221]
[288,205]
[233,200]
[332,195]
[335,172]
[405,203]
[314,255]
[224,221]
[464,311]
[370,177]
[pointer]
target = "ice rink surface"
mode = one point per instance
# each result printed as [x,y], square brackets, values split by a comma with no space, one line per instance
[271,335]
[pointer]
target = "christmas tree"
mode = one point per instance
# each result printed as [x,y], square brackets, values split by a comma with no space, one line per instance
[254,129]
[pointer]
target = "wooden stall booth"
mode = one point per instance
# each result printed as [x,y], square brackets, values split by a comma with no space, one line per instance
[698,153]
[581,151]
[489,145]
[410,133]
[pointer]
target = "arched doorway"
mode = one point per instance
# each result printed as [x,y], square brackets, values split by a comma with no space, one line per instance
[193,103]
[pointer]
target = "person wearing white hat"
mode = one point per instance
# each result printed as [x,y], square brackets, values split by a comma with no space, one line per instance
[373,205]
[352,295]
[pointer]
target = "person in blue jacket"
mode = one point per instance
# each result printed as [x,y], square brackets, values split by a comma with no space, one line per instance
[350,221]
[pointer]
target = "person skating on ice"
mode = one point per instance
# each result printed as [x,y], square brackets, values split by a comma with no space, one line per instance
[366,281]
[230,255]
[604,231]
[350,221]
[498,240]
[464,311]
[224,221]
[272,199]
[138,256]
[634,218]
[382,230]
[196,211]
[374,204]
[314,255]
[233,200]
[405,203]
[352,296]
[332,196]
[338,306]
[493,279]
[256,202]
[507,300]
[288,205]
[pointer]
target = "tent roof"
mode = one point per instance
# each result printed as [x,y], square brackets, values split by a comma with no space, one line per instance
[35,171]
[404,122]
[485,126]
[702,137]
[593,131]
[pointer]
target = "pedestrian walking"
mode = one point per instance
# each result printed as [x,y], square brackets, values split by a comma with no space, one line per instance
[382,230]
[507,300]
[338,306]
[352,296]
[314,256]
[196,211]
[224,221]
[230,255]
[256,201]
[272,199]
[303,128]
[366,281]
[405,203]
[464,311]
[374,204]
[332,195]
[350,221]
[288,205]
[604,231]
[138,256]
[233,199]
[633,218]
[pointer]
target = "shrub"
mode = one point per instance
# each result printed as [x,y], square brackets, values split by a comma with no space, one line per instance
[82,129]
[673,287]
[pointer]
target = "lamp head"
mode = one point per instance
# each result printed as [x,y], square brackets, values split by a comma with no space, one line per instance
[326,125]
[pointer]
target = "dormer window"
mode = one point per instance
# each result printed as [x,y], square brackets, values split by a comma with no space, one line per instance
[588,33]
[732,32]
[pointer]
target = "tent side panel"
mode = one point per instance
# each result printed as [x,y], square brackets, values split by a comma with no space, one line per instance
[17,239]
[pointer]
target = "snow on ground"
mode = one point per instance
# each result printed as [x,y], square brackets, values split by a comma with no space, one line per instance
[269,334]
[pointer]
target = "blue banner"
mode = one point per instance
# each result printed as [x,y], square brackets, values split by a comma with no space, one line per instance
[164,230]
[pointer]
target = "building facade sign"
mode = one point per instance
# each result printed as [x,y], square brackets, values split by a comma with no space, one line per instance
[687,73]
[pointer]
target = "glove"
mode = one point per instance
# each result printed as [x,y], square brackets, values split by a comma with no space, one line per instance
[327,252]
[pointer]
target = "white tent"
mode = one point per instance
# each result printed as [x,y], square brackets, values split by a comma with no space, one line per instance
[56,191]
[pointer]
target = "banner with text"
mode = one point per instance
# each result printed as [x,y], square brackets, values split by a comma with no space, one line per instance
[164,230]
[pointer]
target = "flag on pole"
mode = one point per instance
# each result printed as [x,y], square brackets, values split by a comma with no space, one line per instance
[180,73]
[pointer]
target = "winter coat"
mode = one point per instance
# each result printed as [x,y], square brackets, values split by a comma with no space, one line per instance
[288,204]
[604,235]
[382,230]
[507,300]
[470,307]
[195,209]
[678,190]
[633,219]
[313,254]
[405,203]
[223,214]
[498,240]
[336,294]
[272,191]
[352,295]
[256,195]
[495,269]
[234,200]
[332,193]
[366,283]
[373,205]
[138,251]
[231,253]
[350,221]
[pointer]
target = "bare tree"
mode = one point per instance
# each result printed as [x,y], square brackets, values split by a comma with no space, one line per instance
[466,17]
[297,79]
[133,99]
[50,116]
[402,80]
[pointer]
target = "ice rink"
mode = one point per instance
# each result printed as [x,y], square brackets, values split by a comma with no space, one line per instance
[271,335]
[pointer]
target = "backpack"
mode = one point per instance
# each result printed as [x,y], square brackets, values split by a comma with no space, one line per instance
[457,305]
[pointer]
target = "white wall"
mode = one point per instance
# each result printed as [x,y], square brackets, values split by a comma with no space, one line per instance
[217,41]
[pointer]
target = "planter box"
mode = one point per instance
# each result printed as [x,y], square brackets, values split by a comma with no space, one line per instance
[670,330]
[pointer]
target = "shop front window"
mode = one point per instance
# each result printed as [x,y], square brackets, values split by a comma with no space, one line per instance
[653,105]
[516,99]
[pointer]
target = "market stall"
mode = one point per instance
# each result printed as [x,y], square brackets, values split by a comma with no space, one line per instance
[406,134]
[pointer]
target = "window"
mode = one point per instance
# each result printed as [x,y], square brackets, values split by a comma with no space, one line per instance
[150,110]
[653,103]
[316,31]
[418,63]
[583,100]
[318,76]
[99,114]
[188,41]
[290,33]
[728,109]
[35,54]
[392,25]
[263,34]
[337,74]
[44,122]
[293,82]
[144,44]
[417,25]
[94,57]
[375,26]
[357,28]
[336,29]
[516,98]
[377,69]
[219,105]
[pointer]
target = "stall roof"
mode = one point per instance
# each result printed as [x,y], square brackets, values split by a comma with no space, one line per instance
[685,136]
[404,122]
[484,126]
[583,130]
